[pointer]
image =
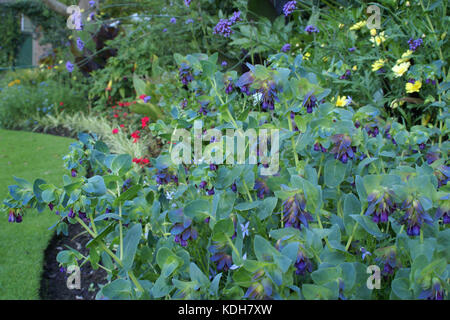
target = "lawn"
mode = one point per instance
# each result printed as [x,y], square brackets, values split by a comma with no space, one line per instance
[27,155]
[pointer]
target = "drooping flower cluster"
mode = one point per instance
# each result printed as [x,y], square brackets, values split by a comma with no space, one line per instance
[380,206]
[309,102]
[185,74]
[289,7]
[442,174]
[342,149]
[261,288]
[164,177]
[415,216]
[261,188]
[229,86]
[294,212]
[184,231]
[269,95]
[436,292]
[389,261]
[221,256]
[14,217]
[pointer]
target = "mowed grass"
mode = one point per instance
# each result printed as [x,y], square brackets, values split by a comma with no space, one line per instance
[29,156]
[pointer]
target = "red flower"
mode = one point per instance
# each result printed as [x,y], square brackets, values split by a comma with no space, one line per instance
[136,136]
[125,114]
[115,131]
[144,121]
[121,104]
[116,115]
[61,104]
[122,125]
[136,160]
[145,161]
[127,104]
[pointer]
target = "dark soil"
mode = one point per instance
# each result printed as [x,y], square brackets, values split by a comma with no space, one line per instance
[54,280]
[57,131]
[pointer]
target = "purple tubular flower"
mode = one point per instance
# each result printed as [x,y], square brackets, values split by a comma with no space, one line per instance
[380,206]
[444,213]
[436,292]
[212,167]
[71,213]
[69,66]
[352,49]
[414,217]
[286,47]
[11,217]
[224,63]
[261,288]
[51,206]
[229,86]
[311,29]
[261,188]
[221,256]
[294,212]
[210,192]
[302,264]
[342,149]
[442,173]
[184,231]
[269,93]
[173,20]
[164,30]
[80,44]
[289,7]
[185,74]
[73,172]
[187,3]
[92,3]
[309,102]
[189,21]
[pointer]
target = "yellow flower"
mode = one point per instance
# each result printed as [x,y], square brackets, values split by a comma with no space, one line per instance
[413,87]
[55,67]
[358,25]
[378,39]
[325,59]
[400,69]
[378,64]
[341,101]
[407,3]
[306,56]
[405,57]
[355,67]
[373,32]
[341,25]
[12,83]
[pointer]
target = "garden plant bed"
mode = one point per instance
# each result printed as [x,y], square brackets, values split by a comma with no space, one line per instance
[54,279]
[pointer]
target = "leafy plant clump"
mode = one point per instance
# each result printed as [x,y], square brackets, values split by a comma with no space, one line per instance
[353,190]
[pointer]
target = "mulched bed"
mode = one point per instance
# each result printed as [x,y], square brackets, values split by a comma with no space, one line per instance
[54,280]
[58,131]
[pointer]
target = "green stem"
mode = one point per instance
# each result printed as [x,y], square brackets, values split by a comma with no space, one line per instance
[247,191]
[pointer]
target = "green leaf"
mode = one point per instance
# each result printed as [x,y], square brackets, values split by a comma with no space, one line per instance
[315,292]
[223,229]
[95,186]
[324,275]
[121,164]
[267,207]
[400,287]
[198,276]
[128,195]
[334,173]
[368,225]
[119,289]
[198,209]
[130,244]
